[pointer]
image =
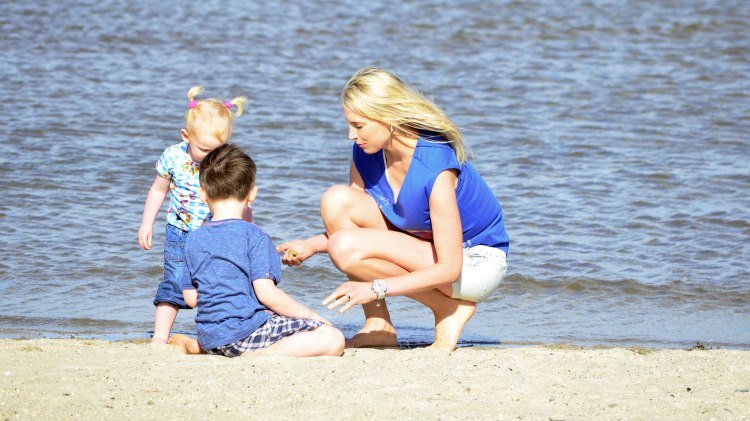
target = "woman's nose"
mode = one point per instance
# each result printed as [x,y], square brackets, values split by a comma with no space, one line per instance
[352,133]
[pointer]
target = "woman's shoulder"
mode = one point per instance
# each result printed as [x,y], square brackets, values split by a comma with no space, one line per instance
[434,153]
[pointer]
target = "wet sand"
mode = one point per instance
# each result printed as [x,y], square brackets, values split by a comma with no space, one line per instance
[61,378]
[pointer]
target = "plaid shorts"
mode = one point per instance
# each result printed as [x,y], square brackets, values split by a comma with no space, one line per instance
[276,328]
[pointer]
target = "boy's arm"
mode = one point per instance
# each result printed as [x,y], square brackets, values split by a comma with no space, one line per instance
[191,297]
[154,200]
[279,302]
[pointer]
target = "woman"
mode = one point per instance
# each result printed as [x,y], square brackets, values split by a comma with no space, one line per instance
[416,219]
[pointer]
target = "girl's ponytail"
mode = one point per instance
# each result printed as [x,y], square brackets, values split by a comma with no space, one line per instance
[194,92]
[238,102]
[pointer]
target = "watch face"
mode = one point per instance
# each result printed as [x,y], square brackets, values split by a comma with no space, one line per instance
[379,287]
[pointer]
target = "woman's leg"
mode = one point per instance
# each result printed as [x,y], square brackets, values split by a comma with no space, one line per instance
[343,207]
[376,251]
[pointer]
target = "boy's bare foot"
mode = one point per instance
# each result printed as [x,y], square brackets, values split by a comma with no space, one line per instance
[450,322]
[374,334]
[157,341]
[184,343]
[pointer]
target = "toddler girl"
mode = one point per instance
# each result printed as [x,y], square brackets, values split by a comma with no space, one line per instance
[208,125]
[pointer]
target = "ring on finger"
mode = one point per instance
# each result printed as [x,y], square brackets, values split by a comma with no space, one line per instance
[348,297]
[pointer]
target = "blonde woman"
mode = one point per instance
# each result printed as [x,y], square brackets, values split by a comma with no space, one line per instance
[208,125]
[416,219]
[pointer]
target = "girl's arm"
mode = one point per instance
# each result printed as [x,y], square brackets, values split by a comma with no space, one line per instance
[279,302]
[154,200]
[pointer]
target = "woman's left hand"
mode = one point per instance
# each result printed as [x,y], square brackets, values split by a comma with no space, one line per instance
[349,294]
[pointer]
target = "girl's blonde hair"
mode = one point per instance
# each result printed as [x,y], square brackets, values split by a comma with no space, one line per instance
[212,114]
[380,95]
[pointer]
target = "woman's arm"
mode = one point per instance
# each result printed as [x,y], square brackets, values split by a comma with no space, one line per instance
[297,251]
[355,179]
[447,238]
[447,233]
[279,302]
[304,249]
[154,200]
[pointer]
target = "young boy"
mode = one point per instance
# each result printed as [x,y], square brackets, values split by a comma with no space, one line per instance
[234,269]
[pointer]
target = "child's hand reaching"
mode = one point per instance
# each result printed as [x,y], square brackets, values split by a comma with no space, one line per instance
[295,252]
[144,236]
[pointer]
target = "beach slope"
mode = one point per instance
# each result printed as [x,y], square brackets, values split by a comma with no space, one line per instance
[62,378]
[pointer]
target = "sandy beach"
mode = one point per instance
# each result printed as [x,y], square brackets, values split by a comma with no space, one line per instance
[79,378]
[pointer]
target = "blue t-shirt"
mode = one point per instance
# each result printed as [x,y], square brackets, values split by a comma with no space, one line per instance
[481,213]
[223,259]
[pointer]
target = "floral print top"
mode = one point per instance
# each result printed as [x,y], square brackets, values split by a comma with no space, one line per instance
[186,210]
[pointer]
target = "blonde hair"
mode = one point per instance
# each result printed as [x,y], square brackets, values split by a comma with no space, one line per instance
[380,95]
[211,112]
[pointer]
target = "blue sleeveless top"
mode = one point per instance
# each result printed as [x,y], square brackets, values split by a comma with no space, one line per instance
[481,213]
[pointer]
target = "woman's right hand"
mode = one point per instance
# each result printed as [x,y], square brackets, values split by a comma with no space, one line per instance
[295,252]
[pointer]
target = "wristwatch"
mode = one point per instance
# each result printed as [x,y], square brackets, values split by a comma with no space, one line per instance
[379,288]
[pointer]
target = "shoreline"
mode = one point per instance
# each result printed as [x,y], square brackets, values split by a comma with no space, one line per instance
[89,378]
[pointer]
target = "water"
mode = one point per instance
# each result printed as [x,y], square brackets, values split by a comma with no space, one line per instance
[615,134]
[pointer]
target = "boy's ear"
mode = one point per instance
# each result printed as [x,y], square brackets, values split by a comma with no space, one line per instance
[184,135]
[202,195]
[252,194]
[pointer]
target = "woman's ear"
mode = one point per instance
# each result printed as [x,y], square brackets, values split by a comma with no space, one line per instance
[184,135]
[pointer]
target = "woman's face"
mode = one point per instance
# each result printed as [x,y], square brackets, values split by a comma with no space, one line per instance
[370,135]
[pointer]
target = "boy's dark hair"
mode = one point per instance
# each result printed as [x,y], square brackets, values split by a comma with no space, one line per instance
[227,172]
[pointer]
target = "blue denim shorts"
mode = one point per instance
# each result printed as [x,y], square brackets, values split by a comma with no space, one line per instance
[175,272]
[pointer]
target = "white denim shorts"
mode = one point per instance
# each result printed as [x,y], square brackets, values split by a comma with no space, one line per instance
[483,269]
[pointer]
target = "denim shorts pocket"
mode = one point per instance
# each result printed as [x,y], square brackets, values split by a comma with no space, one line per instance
[174,251]
[174,244]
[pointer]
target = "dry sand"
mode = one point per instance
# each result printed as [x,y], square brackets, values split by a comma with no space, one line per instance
[77,378]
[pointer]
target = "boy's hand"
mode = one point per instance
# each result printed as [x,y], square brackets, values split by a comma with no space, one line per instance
[322,319]
[144,236]
[295,252]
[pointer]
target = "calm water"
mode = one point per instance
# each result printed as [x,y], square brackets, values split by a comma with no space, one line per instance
[615,134]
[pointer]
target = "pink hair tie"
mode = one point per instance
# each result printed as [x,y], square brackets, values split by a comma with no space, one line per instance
[193,104]
[228,104]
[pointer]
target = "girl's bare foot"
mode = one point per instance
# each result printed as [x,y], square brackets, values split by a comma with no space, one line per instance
[186,344]
[450,322]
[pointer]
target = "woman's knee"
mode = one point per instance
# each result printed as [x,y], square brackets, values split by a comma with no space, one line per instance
[335,201]
[343,249]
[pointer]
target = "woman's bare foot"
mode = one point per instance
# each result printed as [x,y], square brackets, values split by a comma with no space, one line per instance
[376,333]
[186,344]
[450,322]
